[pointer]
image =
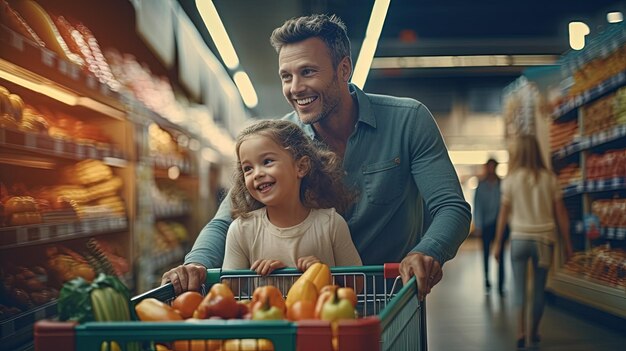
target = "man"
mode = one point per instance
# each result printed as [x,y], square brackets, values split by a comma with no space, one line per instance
[392,151]
[486,209]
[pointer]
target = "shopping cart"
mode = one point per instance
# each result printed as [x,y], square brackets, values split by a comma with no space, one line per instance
[391,318]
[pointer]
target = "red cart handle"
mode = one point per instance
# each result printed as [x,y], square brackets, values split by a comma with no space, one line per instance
[391,270]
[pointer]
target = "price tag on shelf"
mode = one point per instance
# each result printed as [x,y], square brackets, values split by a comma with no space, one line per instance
[58,146]
[600,184]
[86,227]
[98,226]
[91,82]
[30,140]
[47,58]
[63,67]
[44,232]
[40,313]
[17,41]
[615,183]
[80,151]
[21,235]
[93,153]
[621,234]
[73,71]
[62,230]
[590,185]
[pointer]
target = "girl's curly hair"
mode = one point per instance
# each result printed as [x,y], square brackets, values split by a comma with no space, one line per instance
[321,187]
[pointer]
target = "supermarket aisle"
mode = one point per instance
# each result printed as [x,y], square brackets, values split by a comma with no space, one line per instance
[462,317]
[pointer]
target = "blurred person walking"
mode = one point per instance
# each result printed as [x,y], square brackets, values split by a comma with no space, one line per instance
[486,209]
[532,204]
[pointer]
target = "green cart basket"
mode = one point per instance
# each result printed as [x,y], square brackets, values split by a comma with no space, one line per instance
[391,318]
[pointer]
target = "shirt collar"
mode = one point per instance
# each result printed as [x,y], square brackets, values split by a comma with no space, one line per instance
[366,115]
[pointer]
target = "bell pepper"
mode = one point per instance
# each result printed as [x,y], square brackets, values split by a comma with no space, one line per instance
[301,310]
[301,290]
[265,311]
[270,293]
[319,274]
[219,302]
[336,309]
[153,310]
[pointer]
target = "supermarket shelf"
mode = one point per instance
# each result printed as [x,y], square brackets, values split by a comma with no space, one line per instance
[166,259]
[33,63]
[165,162]
[605,87]
[18,330]
[590,141]
[589,292]
[593,186]
[37,234]
[45,145]
[171,211]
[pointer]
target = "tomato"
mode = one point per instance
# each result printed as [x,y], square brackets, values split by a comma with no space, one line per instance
[187,302]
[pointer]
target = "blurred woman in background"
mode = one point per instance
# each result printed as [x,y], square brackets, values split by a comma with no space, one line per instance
[533,206]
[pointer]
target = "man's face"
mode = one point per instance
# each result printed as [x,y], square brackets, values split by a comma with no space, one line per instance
[310,82]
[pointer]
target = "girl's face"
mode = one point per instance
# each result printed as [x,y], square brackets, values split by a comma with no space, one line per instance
[271,174]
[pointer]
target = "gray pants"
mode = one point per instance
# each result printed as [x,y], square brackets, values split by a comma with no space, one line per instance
[521,252]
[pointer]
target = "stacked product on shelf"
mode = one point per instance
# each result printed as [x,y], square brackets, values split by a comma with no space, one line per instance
[588,140]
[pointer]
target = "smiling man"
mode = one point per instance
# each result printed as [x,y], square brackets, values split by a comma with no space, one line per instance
[392,152]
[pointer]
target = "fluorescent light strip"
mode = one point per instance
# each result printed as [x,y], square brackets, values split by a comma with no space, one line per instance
[370,42]
[246,90]
[214,24]
[462,61]
[614,17]
[477,157]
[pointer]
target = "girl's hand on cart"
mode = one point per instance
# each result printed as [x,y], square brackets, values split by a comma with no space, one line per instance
[426,270]
[187,277]
[305,262]
[265,267]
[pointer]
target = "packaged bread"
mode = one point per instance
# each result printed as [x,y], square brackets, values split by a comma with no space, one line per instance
[41,23]
[16,22]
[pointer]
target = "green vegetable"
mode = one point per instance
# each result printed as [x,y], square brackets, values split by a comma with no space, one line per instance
[105,299]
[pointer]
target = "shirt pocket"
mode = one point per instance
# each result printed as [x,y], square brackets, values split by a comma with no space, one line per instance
[383,181]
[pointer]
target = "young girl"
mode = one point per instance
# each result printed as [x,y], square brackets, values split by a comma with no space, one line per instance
[533,206]
[283,198]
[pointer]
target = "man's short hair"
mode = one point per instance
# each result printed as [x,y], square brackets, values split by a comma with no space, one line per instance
[492,161]
[330,29]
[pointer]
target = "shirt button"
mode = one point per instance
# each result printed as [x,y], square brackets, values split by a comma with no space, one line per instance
[397,160]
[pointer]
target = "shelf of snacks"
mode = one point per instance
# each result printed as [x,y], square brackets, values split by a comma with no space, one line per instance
[588,143]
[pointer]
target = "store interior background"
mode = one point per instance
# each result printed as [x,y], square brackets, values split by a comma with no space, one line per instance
[170,38]
[466,101]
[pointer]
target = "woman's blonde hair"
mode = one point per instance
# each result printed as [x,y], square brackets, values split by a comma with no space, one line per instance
[321,187]
[526,154]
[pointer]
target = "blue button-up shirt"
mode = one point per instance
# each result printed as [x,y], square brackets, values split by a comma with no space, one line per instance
[396,157]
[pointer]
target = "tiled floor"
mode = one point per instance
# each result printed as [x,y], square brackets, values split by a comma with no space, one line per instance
[462,317]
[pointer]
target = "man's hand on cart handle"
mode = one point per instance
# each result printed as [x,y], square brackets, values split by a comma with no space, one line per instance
[426,269]
[187,277]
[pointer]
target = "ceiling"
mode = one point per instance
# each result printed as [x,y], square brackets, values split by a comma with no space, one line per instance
[412,28]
